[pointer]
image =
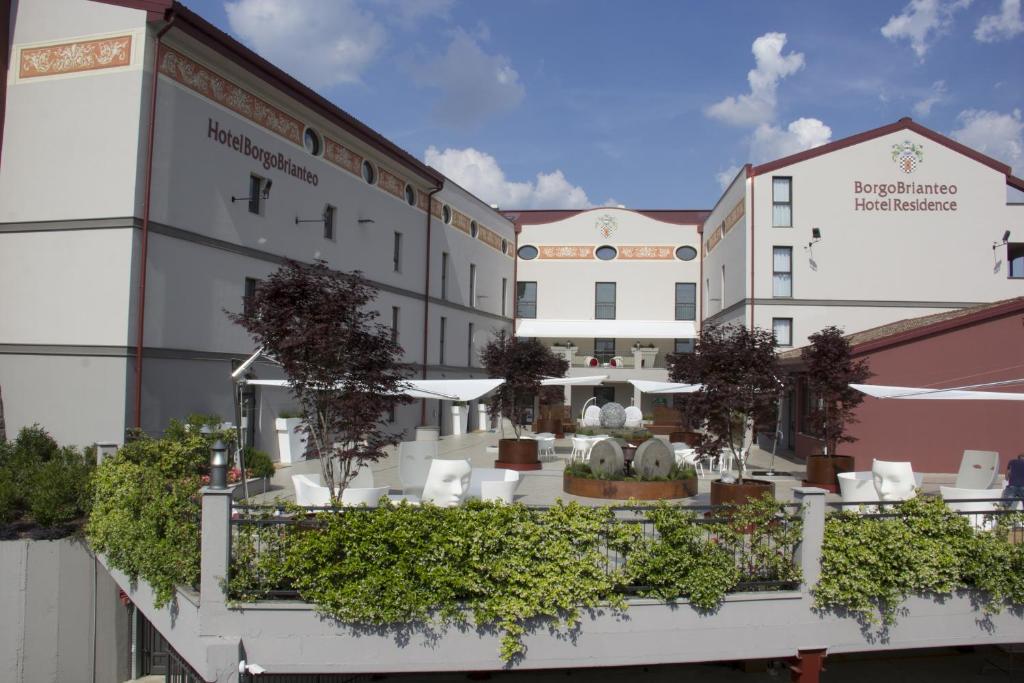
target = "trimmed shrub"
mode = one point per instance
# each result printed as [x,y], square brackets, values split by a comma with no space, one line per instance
[59,489]
[258,464]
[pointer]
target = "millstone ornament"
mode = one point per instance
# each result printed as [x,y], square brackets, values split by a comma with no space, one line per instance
[606,458]
[653,459]
[613,415]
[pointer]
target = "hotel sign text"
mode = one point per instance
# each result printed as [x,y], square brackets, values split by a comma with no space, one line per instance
[903,197]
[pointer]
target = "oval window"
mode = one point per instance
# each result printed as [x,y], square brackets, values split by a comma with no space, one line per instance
[504,246]
[369,172]
[473,230]
[686,253]
[528,252]
[410,195]
[311,141]
[446,214]
[606,253]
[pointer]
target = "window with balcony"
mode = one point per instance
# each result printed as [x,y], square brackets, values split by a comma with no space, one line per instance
[782,271]
[526,299]
[604,350]
[782,202]
[686,301]
[604,301]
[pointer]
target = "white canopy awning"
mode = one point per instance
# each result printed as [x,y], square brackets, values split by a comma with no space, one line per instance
[880,391]
[651,387]
[591,380]
[444,389]
[616,329]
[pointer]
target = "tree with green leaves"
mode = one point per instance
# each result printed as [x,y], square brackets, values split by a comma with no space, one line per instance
[830,371]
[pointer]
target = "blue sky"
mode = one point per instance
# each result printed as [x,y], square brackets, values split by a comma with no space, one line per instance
[547,103]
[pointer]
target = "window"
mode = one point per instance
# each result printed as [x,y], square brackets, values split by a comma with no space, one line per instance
[444,275]
[249,293]
[394,324]
[410,195]
[783,329]
[606,252]
[526,299]
[721,292]
[369,172]
[683,346]
[329,212]
[444,329]
[1015,257]
[782,202]
[604,349]
[504,294]
[469,345]
[446,214]
[472,285]
[604,301]
[311,141]
[473,230]
[686,301]
[528,252]
[255,194]
[686,253]
[504,247]
[396,255]
[782,271]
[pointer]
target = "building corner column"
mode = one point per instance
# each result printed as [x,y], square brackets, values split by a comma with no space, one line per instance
[215,560]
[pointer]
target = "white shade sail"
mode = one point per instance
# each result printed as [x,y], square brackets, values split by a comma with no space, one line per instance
[880,391]
[591,380]
[616,329]
[444,389]
[652,387]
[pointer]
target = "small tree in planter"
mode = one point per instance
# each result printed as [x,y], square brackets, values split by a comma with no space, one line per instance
[522,364]
[831,369]
[738,371]
[345,370]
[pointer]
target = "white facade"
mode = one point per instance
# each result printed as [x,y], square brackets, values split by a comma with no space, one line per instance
[73,187]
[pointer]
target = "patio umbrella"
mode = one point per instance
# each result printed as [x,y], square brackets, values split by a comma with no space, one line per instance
[443,389]
[966,393]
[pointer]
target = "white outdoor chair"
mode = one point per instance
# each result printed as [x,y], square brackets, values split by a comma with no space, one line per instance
[490,483]
[580,448]
[414,458]
[308,491]
[617,362]
[592,417]
[369,496]
[894,480]
[688,456]
[978,509]
[978,470]
[857,487]
[545,443]
[634,418]
[447,482]
[363,478]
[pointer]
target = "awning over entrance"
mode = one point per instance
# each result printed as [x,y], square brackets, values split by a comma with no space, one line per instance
[616,329]
[651,387]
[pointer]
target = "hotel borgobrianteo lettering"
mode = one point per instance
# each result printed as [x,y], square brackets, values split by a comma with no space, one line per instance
[903,196]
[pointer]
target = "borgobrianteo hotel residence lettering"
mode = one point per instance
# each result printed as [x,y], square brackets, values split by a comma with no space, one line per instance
[241,143]
[903,196]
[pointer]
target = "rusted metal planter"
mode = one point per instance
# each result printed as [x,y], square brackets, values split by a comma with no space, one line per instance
[517,454]
[822,470]
[622,490]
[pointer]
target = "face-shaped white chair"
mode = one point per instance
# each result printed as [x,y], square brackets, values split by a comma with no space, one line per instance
[447,482]
[857,487]
[308,493]
[368,496]
[894,480]
[977,517]
[363,478]
[414,458]
[978,470]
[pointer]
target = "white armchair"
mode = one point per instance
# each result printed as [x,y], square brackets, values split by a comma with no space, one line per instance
[978,520]
[978,470]
[895,480]
[489,483]
[309,492]
[368,496]
[857,487]
[414,458]
[634,418]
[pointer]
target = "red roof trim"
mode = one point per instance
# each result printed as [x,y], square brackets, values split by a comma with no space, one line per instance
[902,124]
[154,9]
[1015,182]
[208,34]
[1011,307]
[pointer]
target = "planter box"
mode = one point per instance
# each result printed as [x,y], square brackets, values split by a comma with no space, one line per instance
[822,470]
[623,490]
[255,486]
[483,422]
[738,494]
[517,454]
[291,445]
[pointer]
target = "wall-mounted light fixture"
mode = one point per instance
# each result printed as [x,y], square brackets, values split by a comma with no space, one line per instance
[324,218]
[815,236]
[264,193]
[1006,240]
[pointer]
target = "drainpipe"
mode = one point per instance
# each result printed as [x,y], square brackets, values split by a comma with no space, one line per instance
[753,213]
[700,284]
[141,322]
[426,300]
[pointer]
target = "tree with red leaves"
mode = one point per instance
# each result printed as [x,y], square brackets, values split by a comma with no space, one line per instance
[345,371]
[522,364]
[830,371]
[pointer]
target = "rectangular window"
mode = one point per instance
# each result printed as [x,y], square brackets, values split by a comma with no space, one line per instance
[255,194]
[504,295]
[782,271]
[683,346]
[329,222]
[444,275]
[604,349]
[782,202]
[469,346]
[444,330]
[783,329]
[604,301]
[526,299]
[248,294]
[721,290]
[472,285]
[1015,259]
[394,324]
[396,253]
[686,301]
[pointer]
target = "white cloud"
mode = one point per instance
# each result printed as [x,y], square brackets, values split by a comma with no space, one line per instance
[473,84]
[480,173]
[322,42]
[771,66]
[409,13]
[1002,26]
[1000,136]
[936,95]
[922,21]
[725,177]
[771,142]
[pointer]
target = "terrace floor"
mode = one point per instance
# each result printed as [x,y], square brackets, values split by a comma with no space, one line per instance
[544,486]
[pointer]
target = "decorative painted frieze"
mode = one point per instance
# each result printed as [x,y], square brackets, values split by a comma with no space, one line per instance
[66,58]
[563,252]
[734,216]
[342,157]
[461,221]
[391,183]
[646,253]
[489,237]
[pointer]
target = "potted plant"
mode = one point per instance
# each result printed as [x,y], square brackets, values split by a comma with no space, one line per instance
[738,373]
[291,437]
[830,368]
[460,417]
[522,364]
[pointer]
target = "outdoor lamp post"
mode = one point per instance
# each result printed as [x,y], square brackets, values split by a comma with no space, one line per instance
[218,465]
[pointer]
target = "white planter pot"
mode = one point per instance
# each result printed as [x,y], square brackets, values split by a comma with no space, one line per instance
[460,420]
[483,418]
[291,445]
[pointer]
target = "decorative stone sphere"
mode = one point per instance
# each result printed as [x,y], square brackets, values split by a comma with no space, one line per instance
[613,415]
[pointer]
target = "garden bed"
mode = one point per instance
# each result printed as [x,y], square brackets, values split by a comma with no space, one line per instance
[625,489]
